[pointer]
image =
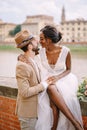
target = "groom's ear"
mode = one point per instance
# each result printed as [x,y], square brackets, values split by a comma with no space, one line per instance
[30,47]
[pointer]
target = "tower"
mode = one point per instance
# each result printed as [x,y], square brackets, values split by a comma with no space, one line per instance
[63,15]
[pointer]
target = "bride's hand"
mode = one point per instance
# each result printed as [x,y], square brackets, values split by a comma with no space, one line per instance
[52,79]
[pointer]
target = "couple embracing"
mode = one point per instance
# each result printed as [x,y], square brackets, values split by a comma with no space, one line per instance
[46,87]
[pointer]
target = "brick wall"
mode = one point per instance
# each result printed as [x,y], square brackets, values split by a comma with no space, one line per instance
[8,119]
[85,122]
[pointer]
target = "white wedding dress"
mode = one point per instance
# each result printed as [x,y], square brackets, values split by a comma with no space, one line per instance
[67,86]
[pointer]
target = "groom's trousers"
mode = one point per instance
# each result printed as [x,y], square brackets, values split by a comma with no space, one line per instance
[27,123]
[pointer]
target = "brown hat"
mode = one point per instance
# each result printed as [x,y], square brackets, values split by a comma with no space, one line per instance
[22,38]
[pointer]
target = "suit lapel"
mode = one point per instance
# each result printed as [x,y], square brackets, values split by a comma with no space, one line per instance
[30,62]
[36,70]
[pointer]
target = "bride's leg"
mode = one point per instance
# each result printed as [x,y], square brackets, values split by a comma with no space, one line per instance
[58,100]
[55,115]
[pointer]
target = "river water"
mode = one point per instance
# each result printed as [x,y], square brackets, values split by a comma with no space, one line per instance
[8,61]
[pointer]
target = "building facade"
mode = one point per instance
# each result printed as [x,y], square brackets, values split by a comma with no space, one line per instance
[73,30]
[5,28]
[36,22]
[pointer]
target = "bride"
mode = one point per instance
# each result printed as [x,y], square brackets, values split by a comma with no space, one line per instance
[62,110]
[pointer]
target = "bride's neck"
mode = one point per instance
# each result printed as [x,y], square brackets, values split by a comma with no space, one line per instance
[52,49]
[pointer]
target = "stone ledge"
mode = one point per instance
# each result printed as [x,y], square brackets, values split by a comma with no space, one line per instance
[8,92]
[83,105]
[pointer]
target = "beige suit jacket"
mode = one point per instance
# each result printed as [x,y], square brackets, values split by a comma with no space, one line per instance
[28,89]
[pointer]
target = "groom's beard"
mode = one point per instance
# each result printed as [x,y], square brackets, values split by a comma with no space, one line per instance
[36,50]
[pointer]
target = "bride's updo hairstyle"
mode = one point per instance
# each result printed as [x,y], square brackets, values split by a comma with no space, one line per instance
[51,33]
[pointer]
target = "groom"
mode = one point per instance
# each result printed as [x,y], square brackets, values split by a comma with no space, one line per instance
[28,80]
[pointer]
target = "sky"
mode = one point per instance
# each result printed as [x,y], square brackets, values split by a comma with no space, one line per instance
[16,11]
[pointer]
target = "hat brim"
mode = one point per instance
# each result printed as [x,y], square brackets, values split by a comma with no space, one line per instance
[25,41]
[22,44]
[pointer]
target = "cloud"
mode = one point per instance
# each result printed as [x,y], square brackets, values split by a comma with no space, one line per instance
[22,8]
[16,12]
[74,8]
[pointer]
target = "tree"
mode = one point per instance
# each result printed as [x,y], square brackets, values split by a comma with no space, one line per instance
[15,30]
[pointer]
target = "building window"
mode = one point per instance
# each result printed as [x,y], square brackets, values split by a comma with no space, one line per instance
[62,28]
[78,23]
[62,23]
[73,40]
[84,29]
[73,29]
[67,23]
[67,40]
[78,34]
[78,28]
[73,23]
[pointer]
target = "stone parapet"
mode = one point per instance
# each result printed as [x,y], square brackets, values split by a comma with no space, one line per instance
[8,119]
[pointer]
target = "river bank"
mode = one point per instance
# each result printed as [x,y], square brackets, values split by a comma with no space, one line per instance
[73,47]
[8,60]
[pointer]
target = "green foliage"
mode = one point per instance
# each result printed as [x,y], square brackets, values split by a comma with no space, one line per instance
[9,48]
[11,33]
[78,48]
[82,90]
[16,30]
